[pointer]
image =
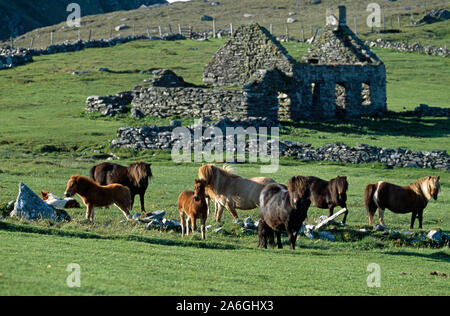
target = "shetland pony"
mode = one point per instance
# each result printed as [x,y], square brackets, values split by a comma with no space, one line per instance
[57,202]
[135,177]
[412,198]
[194,205]
[329,194]
[94,195]
[281,209]
[231,191]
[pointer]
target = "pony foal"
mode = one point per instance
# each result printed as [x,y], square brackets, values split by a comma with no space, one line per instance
[411,198]
[94,195]
[194,205]
[135,177]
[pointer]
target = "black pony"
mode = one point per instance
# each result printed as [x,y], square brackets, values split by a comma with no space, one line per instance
[281,209]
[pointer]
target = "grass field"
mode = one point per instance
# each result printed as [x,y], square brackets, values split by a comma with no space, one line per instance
[42,103]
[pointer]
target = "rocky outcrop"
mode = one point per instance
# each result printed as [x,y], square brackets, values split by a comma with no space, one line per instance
[31,207]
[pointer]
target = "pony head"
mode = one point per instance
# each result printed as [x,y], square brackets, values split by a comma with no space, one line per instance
[199,190]
[434,186]
[341,187]
[140,172]
[72,186]
[44,195]
[299,192]
[207,173]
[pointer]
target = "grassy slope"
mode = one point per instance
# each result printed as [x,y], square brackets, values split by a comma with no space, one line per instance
[231,11]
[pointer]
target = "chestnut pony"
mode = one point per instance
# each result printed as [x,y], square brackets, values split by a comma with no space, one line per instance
[193,204]
[283,208]
[135,177]
[94,195]
[411,198]
[231,191]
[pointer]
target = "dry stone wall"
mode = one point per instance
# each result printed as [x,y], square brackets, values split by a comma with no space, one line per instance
[160,137]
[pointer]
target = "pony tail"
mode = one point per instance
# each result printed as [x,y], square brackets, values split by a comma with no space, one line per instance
[92,172]
[371,207]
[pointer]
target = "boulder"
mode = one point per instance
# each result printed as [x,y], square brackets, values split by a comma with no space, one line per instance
[30,206]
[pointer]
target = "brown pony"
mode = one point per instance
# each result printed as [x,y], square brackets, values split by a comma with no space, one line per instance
[412,198]
[329,194]
[231,191]
[283,208]
[94,195]
[135,177]
[193,204]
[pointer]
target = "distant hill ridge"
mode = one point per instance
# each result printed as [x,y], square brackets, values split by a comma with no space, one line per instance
[21,16]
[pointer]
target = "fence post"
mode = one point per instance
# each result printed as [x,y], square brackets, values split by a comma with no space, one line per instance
[160,31]
[311,31]
[271,29]
[214,28]
[384,22]
[79,35]
[110,33]
[287,33]
[190,31]
[148,33]
[398,20]
[303,34]
[356,25]
[412,18]
[32,42]
[12,42]
[231,29]
[170,29]
[51,38]
[90,35]
[425,6]
[134,30]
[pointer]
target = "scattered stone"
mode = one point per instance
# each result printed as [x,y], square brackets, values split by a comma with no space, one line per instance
[291,20]
[121,27]
[326,235]
[30,206]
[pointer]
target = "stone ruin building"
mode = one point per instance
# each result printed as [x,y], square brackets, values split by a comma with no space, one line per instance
[252,75]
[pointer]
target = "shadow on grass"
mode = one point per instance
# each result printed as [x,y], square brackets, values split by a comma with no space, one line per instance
[10,227]
[437,256]
[390,126]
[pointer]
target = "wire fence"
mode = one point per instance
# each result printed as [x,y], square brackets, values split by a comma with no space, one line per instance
[296,31]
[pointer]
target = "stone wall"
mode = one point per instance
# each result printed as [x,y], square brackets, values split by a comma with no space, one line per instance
[20,56]
[198,102]
[12,57]
[160,137]
[412,48]
[109,105]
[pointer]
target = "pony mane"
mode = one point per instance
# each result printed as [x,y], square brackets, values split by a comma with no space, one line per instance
[138,171]
[428,183]
[209,172]
[298,185]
